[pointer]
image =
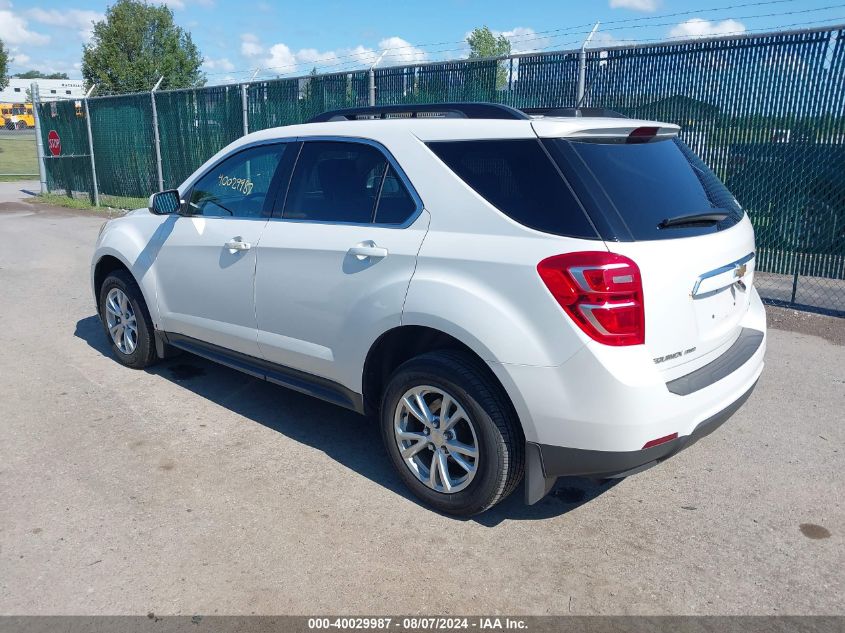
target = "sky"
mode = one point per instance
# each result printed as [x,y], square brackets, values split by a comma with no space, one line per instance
[239,39]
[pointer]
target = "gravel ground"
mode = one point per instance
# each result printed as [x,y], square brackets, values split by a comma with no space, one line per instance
[191,488]
[831,329]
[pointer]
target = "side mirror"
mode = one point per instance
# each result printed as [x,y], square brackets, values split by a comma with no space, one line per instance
[165,202]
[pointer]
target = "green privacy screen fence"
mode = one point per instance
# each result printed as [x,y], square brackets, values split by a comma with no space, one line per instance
[766,112]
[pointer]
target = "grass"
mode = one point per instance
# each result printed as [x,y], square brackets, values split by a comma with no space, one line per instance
[61,200]
[17,156]
[81,201]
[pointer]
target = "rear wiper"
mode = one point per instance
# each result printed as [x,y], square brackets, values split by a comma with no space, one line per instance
[693,219]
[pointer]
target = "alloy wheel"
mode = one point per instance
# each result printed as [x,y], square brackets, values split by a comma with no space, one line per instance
[121,321]
[436,439]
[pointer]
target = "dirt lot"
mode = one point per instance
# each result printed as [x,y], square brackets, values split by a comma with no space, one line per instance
[191,488]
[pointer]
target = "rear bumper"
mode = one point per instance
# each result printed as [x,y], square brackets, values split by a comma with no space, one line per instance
[593,415]
[546,463]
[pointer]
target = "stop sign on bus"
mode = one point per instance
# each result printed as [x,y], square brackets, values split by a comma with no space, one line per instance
[54,142]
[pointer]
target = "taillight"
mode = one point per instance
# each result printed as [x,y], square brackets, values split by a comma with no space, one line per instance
[602,292]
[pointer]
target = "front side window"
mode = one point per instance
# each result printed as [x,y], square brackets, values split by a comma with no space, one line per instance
[335,181]
[238,186]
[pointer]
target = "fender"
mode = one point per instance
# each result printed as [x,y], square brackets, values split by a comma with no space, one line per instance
[135,244]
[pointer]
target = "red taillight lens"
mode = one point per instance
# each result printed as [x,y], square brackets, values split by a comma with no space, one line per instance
[601,292]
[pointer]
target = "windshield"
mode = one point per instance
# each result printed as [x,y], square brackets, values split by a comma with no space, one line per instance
[645,184]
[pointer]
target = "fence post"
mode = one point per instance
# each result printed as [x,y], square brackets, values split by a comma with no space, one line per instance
[155,135]
[582,68]
[372,76]
[39,141]
[244,108]
[510,77]
[91,149]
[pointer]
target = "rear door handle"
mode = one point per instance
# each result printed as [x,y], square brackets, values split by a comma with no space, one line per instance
[237,244]
[368,249]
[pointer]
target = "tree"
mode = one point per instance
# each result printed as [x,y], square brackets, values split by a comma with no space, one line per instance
[483,43]
[37,74]
[4,65]
[135,45]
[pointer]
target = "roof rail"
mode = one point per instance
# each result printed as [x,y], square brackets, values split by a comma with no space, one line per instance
[576,112]
[427,110]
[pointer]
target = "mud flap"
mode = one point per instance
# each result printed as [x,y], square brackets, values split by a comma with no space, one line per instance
[537,485]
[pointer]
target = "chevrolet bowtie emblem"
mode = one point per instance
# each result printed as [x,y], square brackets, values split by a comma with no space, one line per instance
[739,273]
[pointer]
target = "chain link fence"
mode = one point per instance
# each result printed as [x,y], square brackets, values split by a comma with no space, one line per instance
[765,112]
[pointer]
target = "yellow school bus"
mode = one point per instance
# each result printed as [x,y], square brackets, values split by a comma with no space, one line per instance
[17,116]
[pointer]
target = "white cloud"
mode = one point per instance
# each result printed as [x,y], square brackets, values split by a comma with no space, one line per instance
[250,46]
[50,66]
[19,59]
[222,64]
[79,19]
[280,59]
[635,5]
[13,30]
[524,39]
[697,27]
[400,52]
[606,40]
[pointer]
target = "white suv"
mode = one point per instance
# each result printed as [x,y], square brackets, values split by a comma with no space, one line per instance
[510,294]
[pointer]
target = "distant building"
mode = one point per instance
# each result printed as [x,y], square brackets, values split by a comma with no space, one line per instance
[48,89]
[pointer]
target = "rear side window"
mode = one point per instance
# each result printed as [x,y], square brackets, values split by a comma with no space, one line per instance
[648,183]
[519,179]
[395,204]
[335,182]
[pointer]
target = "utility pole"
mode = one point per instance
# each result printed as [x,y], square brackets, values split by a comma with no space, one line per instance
[582,67]
[155,135]
[91,148]
[373,77]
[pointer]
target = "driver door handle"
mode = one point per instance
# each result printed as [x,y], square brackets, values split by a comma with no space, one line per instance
[237,244]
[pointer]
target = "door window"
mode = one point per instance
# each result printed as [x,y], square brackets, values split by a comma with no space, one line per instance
[335,182]
[238,186]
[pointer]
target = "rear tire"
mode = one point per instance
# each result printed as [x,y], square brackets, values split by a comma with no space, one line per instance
[478,419]
[127,321]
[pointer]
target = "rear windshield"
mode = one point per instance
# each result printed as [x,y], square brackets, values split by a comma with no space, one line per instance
[518,178]
[646,184]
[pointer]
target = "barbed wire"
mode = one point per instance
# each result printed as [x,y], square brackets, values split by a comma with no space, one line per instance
[327,68]
[517,38]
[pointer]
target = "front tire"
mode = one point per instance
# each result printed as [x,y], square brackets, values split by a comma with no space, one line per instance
[451,433]
[126,321]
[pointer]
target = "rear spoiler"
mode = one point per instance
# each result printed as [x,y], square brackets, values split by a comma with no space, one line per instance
[616,131]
